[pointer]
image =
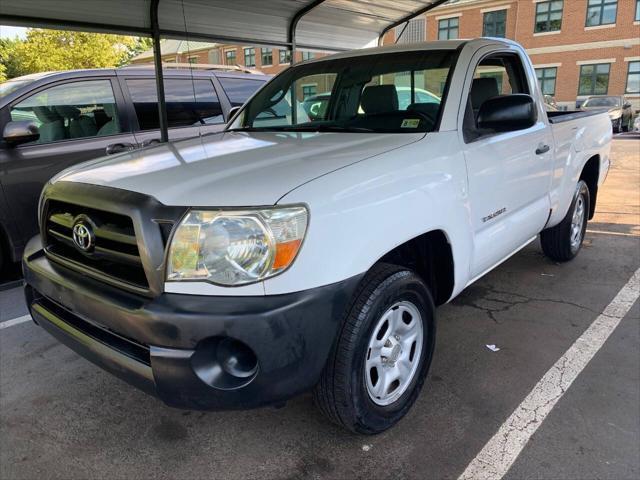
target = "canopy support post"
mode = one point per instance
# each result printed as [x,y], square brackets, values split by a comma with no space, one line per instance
[157,60]
[291,36]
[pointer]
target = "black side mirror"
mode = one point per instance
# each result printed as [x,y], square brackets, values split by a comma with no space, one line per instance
[22,131]
[507,113]
[232,112]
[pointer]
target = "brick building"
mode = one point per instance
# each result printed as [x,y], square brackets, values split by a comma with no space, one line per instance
[578,47]
[267,60]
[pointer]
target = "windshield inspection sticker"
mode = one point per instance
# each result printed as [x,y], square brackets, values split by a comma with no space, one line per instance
[410,123]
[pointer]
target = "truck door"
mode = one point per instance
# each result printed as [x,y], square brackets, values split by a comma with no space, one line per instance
[508,171]
[78,120]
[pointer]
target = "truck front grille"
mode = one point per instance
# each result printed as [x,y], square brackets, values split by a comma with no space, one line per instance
[114,252]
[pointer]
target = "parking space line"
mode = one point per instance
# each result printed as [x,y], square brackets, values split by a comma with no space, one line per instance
[15,321]
[622,234]
[497,456]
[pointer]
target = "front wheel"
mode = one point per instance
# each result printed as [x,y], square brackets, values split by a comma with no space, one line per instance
[618,127]
[562,242]
[382,355]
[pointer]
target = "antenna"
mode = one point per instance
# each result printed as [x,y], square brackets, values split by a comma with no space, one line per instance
[193,83]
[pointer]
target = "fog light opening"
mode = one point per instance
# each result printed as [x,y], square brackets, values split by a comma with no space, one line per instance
[224,363]
[236,358]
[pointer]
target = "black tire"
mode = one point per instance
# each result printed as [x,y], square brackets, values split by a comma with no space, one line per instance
[557,241]
[341,393]
[618,127]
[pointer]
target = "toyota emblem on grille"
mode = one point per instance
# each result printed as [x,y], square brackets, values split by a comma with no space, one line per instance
[83,236]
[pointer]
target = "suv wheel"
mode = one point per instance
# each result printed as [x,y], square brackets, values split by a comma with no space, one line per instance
[381,357]
[562,242]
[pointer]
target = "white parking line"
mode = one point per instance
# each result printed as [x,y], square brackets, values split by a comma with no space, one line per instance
[497,456]
[15,321]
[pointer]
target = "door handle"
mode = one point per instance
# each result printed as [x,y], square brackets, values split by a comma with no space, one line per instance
[542,149]
[150,141]
[119,147]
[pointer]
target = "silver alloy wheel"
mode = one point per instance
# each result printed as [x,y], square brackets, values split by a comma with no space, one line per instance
[577,223]
[393,354]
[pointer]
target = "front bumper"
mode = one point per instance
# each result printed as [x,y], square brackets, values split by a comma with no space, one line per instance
[176,346]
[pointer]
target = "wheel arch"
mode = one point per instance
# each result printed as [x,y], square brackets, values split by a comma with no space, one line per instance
[429,255]
[590,175]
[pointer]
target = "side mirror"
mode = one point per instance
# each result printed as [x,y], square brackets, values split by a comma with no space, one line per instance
[232,112]
[22,131]
[507,113]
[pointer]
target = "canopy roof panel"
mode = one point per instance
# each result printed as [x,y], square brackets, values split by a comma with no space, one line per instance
[327,25]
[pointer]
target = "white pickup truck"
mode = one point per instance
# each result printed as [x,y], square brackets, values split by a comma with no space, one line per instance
[306,247]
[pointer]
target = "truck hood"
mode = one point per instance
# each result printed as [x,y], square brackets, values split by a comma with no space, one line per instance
[233,168]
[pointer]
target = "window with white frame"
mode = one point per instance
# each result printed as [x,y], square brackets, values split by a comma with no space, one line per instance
[547,79]
[548,16]
[601,12]
[448,28]
[633,77]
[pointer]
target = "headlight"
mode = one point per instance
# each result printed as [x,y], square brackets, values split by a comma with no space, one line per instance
[236,247]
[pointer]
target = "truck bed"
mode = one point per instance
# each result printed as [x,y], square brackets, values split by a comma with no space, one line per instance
[567,116]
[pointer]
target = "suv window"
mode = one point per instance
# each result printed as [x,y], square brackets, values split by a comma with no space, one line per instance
[73,110]
[189,102]
[239,89]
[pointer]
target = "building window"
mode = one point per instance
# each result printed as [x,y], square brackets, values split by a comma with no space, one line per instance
[266,56]
[633,78]
[637,17]
[448,28]
[192,60]
[250,57]
[548,16]
[307,55]
[285,56]
[309,90]
[547,80]
[594,79]
[230,57]
[601,12]
[411,32]
[494,24]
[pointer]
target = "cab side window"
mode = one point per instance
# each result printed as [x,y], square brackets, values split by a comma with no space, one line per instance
[496,75]
[71,111]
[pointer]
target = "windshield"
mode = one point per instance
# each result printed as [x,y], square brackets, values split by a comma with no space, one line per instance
[7,87]
[391,93]
[602,102]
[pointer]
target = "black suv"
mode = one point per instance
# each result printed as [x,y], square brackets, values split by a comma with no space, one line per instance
[50,121]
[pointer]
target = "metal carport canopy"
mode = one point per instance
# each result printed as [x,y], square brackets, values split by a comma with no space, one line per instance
[310,24]
[325,25]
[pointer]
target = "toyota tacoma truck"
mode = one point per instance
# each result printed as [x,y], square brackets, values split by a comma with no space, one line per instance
[290,253]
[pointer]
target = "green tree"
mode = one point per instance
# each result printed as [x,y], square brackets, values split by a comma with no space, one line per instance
[141,44]
[48,50]
[9,65]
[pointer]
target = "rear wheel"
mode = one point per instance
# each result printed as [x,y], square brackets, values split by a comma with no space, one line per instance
[562,242]
[382,355]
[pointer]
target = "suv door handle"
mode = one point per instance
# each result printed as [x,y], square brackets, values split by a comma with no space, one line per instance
[542,149]
[119,147]
[151,141]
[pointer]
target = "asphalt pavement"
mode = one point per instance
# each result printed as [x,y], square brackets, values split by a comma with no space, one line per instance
[62,417]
